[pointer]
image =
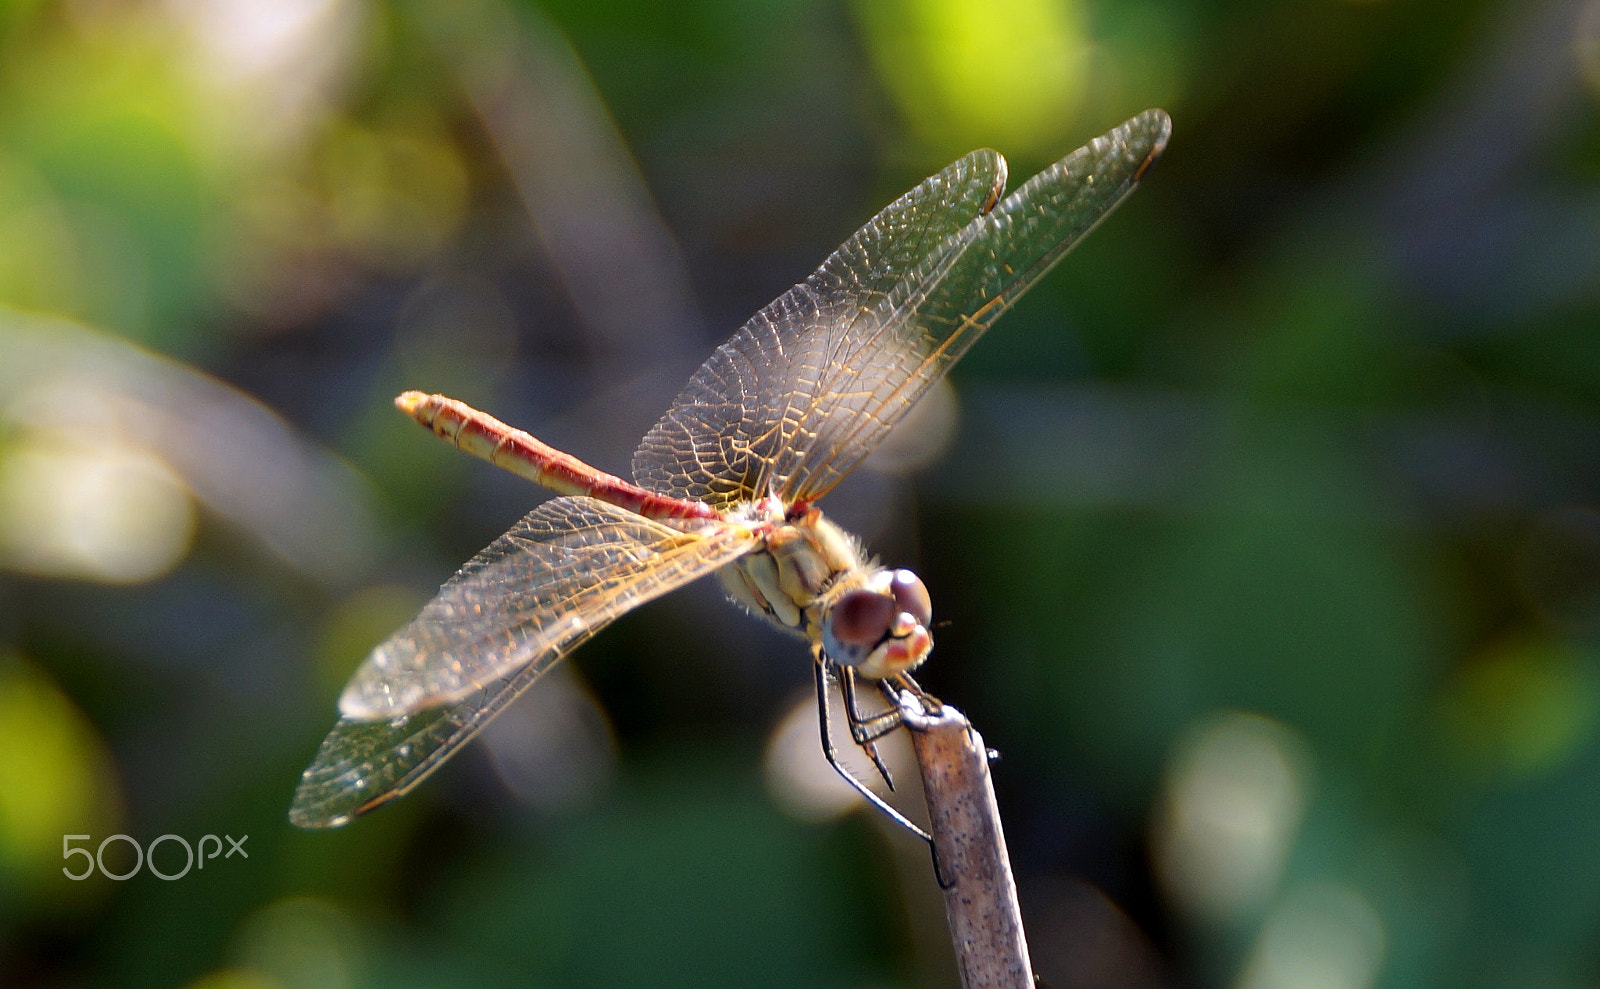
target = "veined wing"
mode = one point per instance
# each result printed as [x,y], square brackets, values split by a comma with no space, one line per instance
[363,764]
[722,439]
[817,379]
[558,576]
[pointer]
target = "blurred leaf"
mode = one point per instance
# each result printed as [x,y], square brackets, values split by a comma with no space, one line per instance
[1522,708]
[55,779]
[938,59]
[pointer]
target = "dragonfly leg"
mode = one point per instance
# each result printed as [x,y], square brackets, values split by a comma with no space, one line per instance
[932,704]
[833,759]
[904,681]
[866,730]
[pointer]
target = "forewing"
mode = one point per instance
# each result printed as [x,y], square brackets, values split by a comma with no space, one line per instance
[561,574]
[854,363]
[728,431]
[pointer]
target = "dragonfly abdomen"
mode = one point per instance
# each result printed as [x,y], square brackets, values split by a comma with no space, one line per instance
[482,435]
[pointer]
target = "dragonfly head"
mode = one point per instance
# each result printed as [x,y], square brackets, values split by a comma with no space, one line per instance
[880,628]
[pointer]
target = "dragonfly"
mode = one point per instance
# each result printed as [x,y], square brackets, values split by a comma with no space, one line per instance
[728,482]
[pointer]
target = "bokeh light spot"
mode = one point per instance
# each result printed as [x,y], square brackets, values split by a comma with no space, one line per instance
[554,748]
[966,73]
[1521,708]
[74,507]
[803,784]
[1234,795]
[1322,936]
[301,943]
[55,777]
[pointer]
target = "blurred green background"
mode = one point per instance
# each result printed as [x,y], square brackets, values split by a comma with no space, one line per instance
[1264,532]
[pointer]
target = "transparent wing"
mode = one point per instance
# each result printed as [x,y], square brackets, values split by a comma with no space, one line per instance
[561,574]
[363,764]
[720,440]
[812,383]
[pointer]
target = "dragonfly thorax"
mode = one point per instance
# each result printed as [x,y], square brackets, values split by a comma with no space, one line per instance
[811,577]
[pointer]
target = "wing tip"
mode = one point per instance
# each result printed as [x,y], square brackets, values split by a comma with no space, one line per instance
[314,810]
[312,813]
[1156,122]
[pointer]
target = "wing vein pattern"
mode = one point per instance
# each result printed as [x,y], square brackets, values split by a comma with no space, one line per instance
[814,381]
[562,573]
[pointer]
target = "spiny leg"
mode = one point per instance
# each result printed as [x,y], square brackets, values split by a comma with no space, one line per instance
[833,760]
[893,720]
[866,730]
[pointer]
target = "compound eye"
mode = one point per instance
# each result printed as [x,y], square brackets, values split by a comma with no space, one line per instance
[911,596]
[862,618]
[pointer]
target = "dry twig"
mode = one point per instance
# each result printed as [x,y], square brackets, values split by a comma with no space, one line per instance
[970,848]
